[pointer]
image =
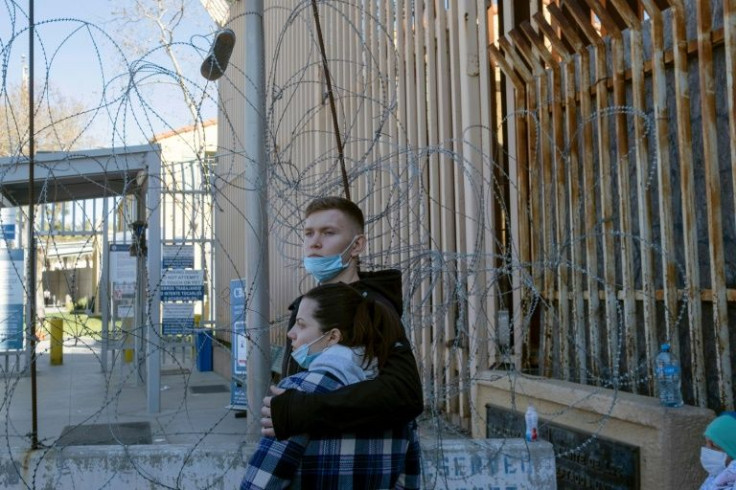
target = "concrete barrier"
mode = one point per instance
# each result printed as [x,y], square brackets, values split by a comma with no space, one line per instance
[490,464]
[126,468]
[668,440]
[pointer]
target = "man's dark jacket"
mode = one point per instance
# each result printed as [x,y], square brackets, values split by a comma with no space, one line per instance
[392,399]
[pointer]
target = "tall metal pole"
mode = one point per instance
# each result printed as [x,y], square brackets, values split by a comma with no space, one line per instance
[256,237]
[152,273]
[31,295]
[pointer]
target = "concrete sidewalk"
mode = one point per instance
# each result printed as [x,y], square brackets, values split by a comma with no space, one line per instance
[195,441]
[78,392]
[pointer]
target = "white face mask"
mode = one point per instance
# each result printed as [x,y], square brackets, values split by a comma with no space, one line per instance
[713,461]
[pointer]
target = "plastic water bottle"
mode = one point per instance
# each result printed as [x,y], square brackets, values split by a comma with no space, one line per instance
[667,370]
[532,420]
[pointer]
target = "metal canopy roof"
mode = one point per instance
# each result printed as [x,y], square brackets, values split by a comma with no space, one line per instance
[84,174]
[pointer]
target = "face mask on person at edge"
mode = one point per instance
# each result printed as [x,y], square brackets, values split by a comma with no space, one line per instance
[716,456]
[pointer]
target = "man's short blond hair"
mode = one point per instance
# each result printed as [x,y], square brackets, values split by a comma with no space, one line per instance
[347,207]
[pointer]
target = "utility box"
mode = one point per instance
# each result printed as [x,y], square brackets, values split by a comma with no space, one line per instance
[204,350]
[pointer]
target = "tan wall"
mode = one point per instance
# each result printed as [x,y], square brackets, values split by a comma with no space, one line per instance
[669,439]
[481,209]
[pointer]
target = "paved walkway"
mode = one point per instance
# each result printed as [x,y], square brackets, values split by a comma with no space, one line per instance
[78,392]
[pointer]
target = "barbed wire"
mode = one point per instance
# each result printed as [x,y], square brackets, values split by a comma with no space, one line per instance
[447,286]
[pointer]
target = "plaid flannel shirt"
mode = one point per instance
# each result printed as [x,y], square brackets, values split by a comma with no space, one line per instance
[377,460]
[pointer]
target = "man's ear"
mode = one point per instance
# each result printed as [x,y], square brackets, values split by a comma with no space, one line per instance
[358,245]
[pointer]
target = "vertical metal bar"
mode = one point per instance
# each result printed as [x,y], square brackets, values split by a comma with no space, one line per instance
[519,217]
[446,179]
[152,277]
[256,231]
[540,168]
[535,196]
[474,190]
[521,214]
[331,97]
[491,235]
[385,101]
[713,195]
[104,295]
[31,285]
[452,377]
[431,42]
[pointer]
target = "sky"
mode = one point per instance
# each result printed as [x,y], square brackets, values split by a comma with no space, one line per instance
[117,71]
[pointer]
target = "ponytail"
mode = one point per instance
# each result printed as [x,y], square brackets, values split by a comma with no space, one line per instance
[377,329]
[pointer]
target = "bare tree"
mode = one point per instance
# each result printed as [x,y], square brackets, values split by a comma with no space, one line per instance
[60,121]
[150,23]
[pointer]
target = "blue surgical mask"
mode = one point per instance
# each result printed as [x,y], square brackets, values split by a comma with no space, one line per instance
[302,356]
[325,268]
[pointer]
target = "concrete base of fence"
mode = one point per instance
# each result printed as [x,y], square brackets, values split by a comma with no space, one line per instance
[447,464]
[488,463]
[124,468]
[664,442]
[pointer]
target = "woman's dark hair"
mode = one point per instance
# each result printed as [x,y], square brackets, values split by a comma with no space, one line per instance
[363,322]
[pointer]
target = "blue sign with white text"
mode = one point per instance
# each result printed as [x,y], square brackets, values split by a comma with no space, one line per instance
[8,232]
[238,397]
[12,280]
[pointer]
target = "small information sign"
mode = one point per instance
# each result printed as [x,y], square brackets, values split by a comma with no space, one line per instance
[182,285]
[12,275]
[178,318]
[240,348]
[238,398]
[8,232]
[122,265]
[126,311]
[7,224]
[178,257]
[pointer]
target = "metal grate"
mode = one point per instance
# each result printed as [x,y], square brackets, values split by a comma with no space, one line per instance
[207,389]
[127,433]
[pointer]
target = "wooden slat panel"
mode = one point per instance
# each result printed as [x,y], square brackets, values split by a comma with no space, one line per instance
[572,220]
[729,41]
[629,323]
[591,198]
[713,195]
[518,176]
[605,226]
[577,258]
[663,172]
[491,236]
[539,175]
[687,188]
[445,327]
[557,193]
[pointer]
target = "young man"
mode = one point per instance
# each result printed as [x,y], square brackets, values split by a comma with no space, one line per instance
[333,242]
